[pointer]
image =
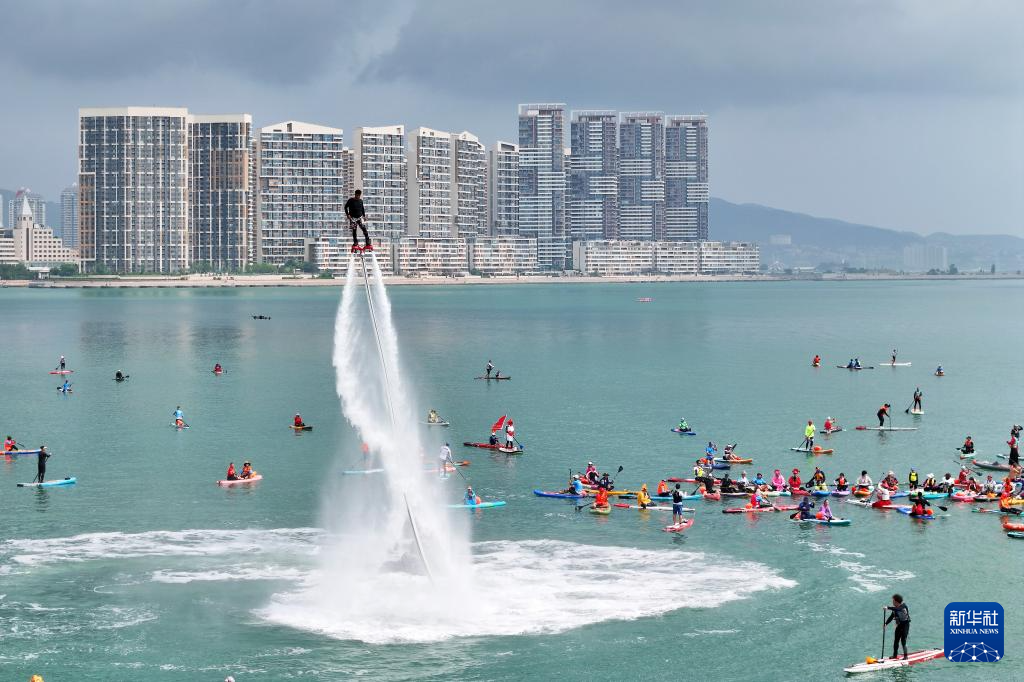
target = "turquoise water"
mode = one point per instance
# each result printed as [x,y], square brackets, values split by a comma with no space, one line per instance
[147,570]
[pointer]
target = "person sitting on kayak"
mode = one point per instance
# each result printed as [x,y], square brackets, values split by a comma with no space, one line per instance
[864,482]
[930,484]
[849,365]
[758,500]
[727,485]
[968,447]
[493,440]
[232,476]
[794,481]
[298,421]
[683,426]
[591,472]
[9,444]
[118,375]
[809,436]
[990,486]
[828,425]
[470,499]
[728,453]
[938,371]
[804,510]
[962,477]
[825,513]
[601,499]
[246,470]
[432,417]
[663,489]
[817,480]
[66,387]
[759,480]
[217,368]
[778,482]
[856,363]
[179,416]
[912,479]
[643,498]
[840,482]
[882,413]
[921,505]
[972,486]
[816,361]
[890,482]
[948,484]
[743,481]
[881,497]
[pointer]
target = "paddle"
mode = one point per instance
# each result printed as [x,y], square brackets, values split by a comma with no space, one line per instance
[907,411]
[581,506]
[882,657]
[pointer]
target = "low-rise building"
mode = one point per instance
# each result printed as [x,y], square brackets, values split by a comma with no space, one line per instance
[503,255]
[677,258]
[431,256]
[729,258]
[613,257]
[32,244]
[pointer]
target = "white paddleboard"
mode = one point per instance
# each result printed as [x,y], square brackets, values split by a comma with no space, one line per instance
[887,663]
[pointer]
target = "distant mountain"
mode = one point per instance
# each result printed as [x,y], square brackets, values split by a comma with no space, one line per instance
[816,241]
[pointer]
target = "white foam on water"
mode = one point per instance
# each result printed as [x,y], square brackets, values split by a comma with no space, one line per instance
[834,550]
[232,574]
[871,578]
[527,587]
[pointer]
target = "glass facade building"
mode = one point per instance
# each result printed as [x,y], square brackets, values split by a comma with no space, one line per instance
[641,175]
[593,202]
[133,189]
[542,182]
[299,189]
[69,216]
[686,178]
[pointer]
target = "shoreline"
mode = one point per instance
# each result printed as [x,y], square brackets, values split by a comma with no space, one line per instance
[255,281]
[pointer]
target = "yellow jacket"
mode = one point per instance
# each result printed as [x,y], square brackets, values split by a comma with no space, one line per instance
[809,431]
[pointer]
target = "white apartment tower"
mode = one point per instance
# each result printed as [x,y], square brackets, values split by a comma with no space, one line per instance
[642,175]
[430,184]
[503,189]
[469,185]
[381,172]
[300,195]
[686,178]
[542,182]
[133,189]
[593,184]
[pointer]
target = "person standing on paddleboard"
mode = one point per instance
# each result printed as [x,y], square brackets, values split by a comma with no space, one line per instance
[677,506]
[901,614]
[882,413]
[356,214]
[41,464]
[446,458]
[60,364]
[809,436]
[1014,444]
[917,399]
[894,356]
[510,435]
[489,369]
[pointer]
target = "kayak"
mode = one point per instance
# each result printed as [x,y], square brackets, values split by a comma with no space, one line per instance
[991,466]
[819,451]
[713,497]
[778,493]
[486,446]
[923,517]
[240,481]
[821,493]
[439,423]
[1014,534]
[493,378]
[887,663]
[720,466]
[833,522]
[600,510]
[1010,525]
[981,510]
[63,371]
[759,510]
[679,527]
[894,364]
[864,492]
[691,432]
[887,428]
[304,427]
[71,480]
[218,372]
[559,495]
[918,412]
[480,505]
[13,453]
[854,369]
[738,460]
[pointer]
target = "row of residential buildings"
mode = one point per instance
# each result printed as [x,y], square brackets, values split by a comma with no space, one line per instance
[163,189]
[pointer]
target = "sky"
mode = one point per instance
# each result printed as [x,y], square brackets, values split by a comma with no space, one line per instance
[904,114]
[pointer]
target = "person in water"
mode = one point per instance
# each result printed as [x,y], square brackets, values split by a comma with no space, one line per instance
[804,510]
[179,417]
[231,476]
[809,436]
[297,421]
[901,614]
[677,506]
[882,413]
[968,447]
[643,498]
[489,369]
[356,214]
[41,464]
[683,426]
[841,483]
[246,470]
[917,400]
[470,499]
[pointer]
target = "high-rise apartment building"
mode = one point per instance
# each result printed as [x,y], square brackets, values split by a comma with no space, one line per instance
[381,172]
[641,175]
[503,189]
[593,184]
[69,216]
[430,184]
[542,181]
[469,185]
[348,172]
[299,189]
[221,184]
[686,178]
[35,202]
[133,189]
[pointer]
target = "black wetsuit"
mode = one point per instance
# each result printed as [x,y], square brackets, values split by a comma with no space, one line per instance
[356,219]
[41,467]
[881,416]
[901,614]
[917,400]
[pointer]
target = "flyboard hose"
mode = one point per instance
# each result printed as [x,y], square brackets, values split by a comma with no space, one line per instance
[391,408]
